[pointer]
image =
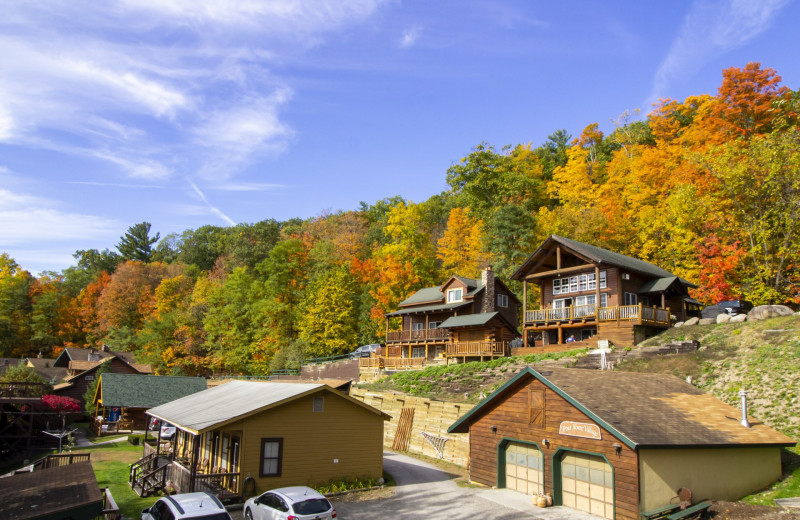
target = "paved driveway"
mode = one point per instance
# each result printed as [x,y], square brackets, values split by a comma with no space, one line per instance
[425,492]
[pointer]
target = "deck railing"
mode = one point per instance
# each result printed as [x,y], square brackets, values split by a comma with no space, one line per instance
[22,390]
[223,485]
[61,459]
[417,335]
[476,348]
[637,312]
[403,363]
[110,508]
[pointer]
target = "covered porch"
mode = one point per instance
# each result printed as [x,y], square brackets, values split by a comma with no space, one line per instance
[206,460]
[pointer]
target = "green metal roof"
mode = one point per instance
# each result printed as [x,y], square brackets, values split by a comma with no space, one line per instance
[146,391]
[597,255]
[428,294]
[468,320]
[428,308]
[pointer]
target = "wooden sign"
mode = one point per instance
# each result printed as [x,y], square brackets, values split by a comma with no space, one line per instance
[577,429]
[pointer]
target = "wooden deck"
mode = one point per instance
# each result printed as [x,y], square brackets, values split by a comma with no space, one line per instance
[438,335]
[464,349]
[631,314]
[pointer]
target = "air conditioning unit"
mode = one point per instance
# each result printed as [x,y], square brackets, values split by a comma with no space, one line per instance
[626,276]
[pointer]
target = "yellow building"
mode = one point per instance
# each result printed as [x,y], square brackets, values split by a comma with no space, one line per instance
[243,437]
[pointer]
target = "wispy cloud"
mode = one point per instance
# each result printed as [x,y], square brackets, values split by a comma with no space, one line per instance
[410,36]
[247,186]
[118,185]
[37,220]
[210,207]
[711,28]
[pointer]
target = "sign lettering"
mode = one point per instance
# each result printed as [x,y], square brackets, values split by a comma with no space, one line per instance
[576,429]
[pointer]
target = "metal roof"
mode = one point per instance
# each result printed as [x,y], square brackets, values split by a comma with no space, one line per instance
[596,255]
[468,320]
[237,399]
[428,308]
[426,294]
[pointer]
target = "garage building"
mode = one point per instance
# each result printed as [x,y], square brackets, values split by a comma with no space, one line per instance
[615,444]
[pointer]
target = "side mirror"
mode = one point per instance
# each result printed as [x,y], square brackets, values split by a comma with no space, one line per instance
[255,501]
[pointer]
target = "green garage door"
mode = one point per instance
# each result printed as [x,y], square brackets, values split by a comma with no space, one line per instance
[524,468]
[587,484]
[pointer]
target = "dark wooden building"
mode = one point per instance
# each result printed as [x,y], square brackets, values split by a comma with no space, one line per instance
[588,293]
[461,318]
[615,444]
[121,400]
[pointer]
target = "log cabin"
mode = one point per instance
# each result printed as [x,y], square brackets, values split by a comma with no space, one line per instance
[616,444]
[588,293]
[460,319]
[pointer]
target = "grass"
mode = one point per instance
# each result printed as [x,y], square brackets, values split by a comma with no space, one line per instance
[448,381]
[111,467]
[787,487]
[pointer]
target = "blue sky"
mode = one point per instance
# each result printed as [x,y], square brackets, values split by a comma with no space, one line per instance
[192,112]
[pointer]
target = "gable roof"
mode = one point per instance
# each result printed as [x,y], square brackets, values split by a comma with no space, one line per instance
[468,320]
[237,400]
[596,255]
[428,308]
[641,410]
[145,391]
[84,354]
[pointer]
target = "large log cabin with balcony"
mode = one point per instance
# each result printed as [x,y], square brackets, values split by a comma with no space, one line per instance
[462,318]
[636,299]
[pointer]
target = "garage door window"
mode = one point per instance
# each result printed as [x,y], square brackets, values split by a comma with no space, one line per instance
[524,468]
[587,484]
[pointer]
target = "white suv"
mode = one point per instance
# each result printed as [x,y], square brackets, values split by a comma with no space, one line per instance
[204,506]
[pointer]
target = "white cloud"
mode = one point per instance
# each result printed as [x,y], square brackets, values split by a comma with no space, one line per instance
[711,28]
[247,186]
[410,36]
[35,220]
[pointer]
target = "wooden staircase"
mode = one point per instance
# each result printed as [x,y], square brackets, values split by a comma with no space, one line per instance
[148,475]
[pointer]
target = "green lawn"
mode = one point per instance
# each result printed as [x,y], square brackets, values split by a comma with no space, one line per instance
[111,464]
[787,487]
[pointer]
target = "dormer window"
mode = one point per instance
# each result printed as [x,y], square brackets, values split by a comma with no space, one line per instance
[455,295]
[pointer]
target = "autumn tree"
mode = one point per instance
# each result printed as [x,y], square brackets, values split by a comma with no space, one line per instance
[14,308]
[330,314]
[461,247]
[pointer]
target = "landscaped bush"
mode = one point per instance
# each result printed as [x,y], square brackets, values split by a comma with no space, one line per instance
[134,439]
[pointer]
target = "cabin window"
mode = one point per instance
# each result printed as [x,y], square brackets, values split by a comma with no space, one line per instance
[271,455]
[557,286]
[417,326]
[602,279]
[591,282]
[455,295]
[434,324]
[584,279]
[630,298]
[502,300]
[418,352]
[319,404]
[573,284]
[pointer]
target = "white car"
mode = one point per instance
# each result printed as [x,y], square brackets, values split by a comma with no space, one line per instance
[297,502]
[186,506]
[167,432]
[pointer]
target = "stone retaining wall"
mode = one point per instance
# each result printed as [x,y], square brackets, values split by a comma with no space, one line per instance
[430,416]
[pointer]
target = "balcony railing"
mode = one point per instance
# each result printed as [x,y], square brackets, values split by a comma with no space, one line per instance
[417,335]
[638,313]
[22,390]
[476,348]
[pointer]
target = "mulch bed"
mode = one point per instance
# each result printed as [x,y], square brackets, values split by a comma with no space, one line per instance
[741,511]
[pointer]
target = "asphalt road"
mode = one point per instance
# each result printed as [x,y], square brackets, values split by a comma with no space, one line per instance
[425,492]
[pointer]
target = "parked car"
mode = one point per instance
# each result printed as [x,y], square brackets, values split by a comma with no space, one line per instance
[202,505]
[364,351]
[735,306]
[297,502]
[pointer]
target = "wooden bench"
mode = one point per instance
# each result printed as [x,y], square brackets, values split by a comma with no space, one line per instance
[661,512]
[690,511]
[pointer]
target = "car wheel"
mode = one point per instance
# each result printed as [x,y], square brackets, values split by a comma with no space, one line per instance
[248,515]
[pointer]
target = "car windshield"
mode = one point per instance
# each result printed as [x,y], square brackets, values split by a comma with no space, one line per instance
[311,507]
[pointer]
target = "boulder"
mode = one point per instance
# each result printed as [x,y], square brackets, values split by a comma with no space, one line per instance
[723,318]
[679,324]
[707,321]
[763,312]
[738,318]
[691,321]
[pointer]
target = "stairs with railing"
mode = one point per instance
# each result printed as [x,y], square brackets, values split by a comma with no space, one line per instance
[148,475]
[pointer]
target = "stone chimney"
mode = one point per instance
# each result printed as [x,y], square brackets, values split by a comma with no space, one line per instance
[487,279]
[93,355]
[105,348]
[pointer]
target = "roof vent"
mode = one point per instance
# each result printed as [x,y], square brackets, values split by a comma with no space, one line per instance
[743,395]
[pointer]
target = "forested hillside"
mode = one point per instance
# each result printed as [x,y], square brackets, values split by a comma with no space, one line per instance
[707,187]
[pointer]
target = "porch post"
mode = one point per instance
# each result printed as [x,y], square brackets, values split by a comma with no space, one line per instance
[195,459]
[597,293]
[663,300]
[387,328]
[524,312]
[560,335]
